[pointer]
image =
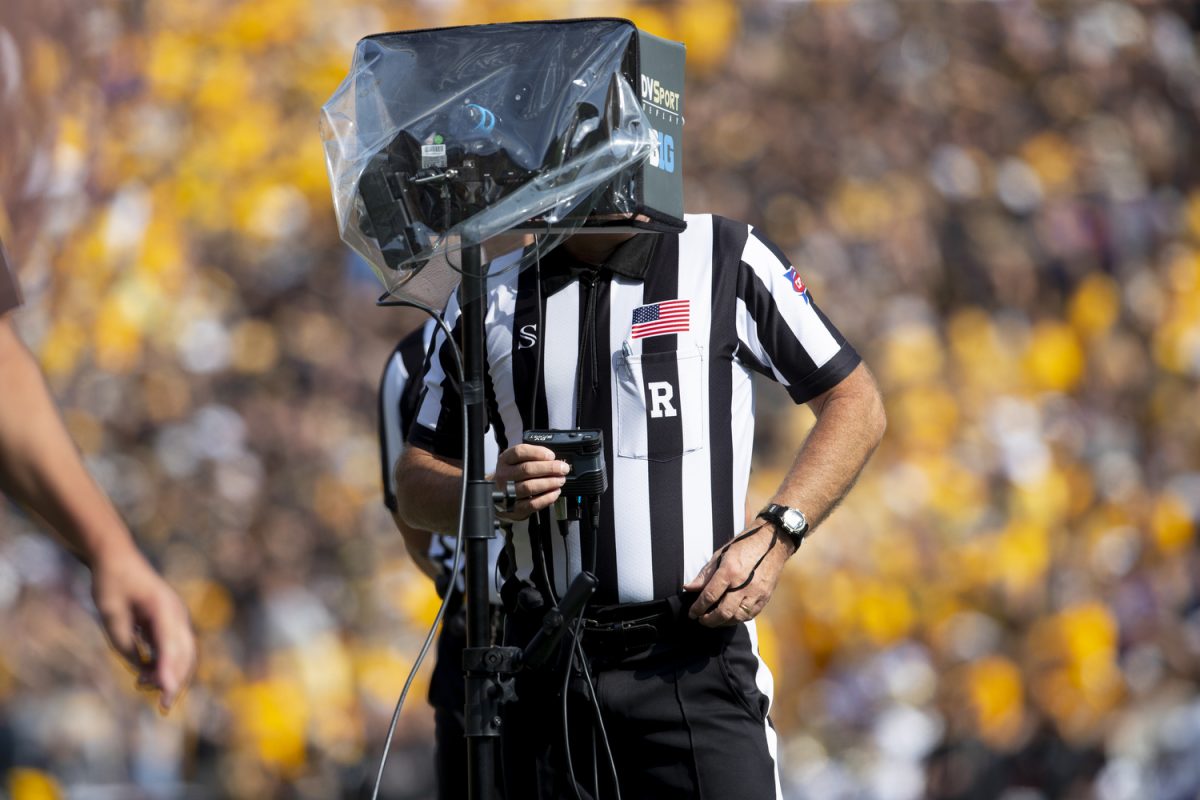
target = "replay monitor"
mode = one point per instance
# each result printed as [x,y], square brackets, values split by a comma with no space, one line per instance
[446,136]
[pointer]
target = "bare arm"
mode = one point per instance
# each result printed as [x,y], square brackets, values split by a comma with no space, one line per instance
[41,469]
[431,487]
[417,542]
[850,424]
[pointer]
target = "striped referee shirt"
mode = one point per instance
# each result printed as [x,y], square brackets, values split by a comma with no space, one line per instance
[656,348]
[399,394]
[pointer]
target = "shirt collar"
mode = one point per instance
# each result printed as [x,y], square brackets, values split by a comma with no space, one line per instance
[631,259]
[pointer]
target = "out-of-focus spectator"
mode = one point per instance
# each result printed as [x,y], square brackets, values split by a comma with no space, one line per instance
[1006,604]
[144,619]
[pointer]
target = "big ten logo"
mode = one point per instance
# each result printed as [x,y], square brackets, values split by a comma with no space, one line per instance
[662,154]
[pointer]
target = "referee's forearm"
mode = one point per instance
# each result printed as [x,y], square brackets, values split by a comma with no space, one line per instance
[850,424]
[428,490]
[40,466]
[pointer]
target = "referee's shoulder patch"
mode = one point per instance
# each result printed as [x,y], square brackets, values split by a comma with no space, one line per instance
[797,282]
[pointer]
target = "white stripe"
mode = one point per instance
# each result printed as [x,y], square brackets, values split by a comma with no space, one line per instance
[747,333]
[801,319]
[561,342]
[631,479]
[741,420]
[561,366]
[695,282]
[428,331]
[431,406]
[394,378]
[766,684]
[500,340]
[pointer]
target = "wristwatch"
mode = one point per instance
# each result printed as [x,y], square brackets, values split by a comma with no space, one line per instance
[790,521]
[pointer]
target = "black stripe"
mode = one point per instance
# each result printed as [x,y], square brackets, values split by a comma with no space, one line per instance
[787,354]
[529,394]
[664,433]
[410,356]
[445,439]
[729,241]
[595,411]
[747,358]
[493,410]
[526,380]
[784,263]
[414,356]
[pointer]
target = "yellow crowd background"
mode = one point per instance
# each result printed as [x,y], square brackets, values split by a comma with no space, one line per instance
[998,203]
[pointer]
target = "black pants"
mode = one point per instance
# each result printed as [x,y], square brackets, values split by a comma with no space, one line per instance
[447,695]
[684,718]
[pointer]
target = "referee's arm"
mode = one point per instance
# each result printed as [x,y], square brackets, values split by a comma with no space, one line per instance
[429,486]
[849,425]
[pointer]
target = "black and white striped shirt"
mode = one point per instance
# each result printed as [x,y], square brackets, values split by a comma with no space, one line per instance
[656,349]
[399,395]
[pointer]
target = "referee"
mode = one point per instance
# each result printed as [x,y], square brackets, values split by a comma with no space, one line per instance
[399,396]
[653,339]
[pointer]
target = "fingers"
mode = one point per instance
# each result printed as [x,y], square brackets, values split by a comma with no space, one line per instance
[712,591]
[526,507]
[537,475]
[697,583]
[735,584]
[731,608]
[525,452]
[174,648]
[149,627]
[117,619]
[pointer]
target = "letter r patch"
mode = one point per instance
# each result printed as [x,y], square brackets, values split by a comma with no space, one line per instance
[661,395]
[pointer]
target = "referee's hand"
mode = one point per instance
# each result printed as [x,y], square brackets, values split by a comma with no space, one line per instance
[538,475]
[740,578]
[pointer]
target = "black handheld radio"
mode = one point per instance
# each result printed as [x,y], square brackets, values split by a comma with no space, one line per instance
[583,450]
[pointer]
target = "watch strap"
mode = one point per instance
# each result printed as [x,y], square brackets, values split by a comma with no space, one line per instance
[773,513]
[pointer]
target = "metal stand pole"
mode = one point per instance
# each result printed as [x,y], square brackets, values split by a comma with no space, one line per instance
[489,669]
[482,718]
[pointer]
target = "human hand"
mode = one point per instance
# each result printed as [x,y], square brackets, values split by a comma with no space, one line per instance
[146,622]
[538,475]
[740,578]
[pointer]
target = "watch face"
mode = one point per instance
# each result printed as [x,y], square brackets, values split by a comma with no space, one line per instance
[794,521]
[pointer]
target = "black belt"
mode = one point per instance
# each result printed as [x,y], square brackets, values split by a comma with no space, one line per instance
[613,632]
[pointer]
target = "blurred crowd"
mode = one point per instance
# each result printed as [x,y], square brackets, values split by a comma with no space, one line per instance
[998,203]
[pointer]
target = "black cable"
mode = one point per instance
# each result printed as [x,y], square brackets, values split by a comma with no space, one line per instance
[541,334]
[593,514]
[721,556]
[574,634]
[612,764]
[576,650]
[458,541]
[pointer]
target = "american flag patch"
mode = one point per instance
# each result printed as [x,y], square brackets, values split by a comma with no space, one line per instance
[656,319]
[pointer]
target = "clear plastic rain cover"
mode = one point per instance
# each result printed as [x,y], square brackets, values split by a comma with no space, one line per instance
[440,137]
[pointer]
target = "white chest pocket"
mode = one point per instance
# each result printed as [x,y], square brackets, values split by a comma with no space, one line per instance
[662,409]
